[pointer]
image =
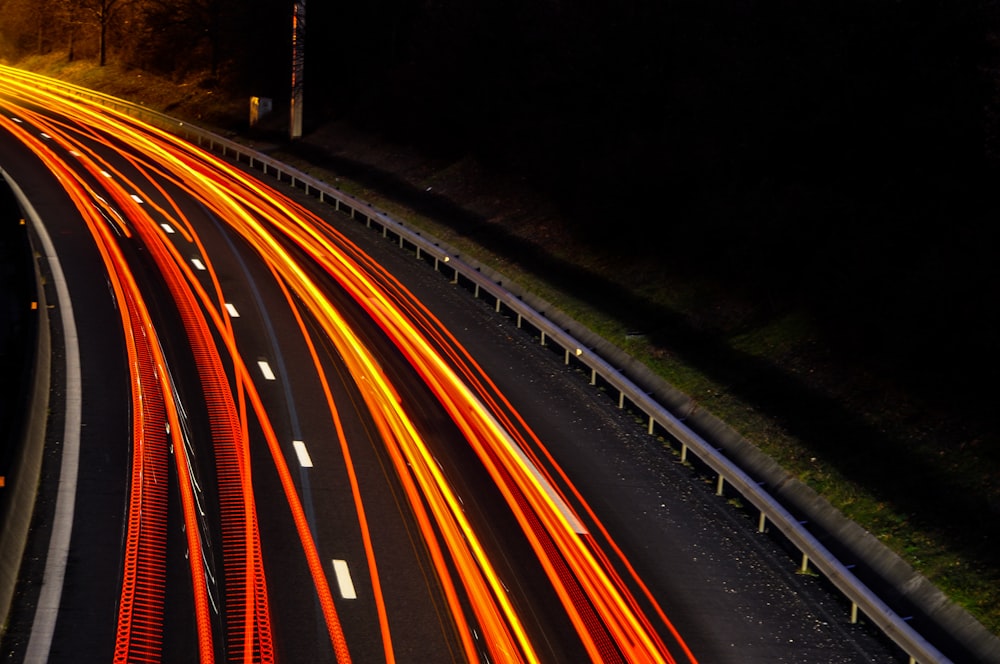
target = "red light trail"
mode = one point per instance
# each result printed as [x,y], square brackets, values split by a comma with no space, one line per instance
[578,556]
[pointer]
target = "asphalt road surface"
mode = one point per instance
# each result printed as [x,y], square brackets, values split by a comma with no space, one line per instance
[288,450]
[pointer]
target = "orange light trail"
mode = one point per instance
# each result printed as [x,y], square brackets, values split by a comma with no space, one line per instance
[142,626]
[255,596]
[243,562]
[598,603]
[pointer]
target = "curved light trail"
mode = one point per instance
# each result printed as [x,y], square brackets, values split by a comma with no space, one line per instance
[131,205]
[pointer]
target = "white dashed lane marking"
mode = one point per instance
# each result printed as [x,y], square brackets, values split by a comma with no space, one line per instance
[265,369]
[344,581]
[302,453]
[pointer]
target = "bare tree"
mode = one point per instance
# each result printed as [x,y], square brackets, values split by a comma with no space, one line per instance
[205,25]
[30,26]
[102,13]
[68,14]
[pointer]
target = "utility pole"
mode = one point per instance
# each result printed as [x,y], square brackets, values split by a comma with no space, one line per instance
[298,65]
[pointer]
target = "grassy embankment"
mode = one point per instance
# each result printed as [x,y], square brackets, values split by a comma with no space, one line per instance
[915,475]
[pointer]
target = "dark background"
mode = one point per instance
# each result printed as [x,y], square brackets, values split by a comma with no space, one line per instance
[838,158]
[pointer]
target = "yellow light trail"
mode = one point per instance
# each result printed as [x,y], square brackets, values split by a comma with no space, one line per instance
[600,606]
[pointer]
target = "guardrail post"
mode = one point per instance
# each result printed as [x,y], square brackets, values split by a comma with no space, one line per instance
[649,427]
[804,567]
[720,485]
[762,522]
[854,613]
[684,454]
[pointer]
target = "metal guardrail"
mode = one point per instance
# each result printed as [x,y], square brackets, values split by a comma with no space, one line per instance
[813,552]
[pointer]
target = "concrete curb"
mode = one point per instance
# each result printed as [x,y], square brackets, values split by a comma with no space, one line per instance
[23,484]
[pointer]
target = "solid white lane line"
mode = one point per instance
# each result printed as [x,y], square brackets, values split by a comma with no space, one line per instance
[344,581]
[302,453]
[198,265]
[265,369]
[47,606]
[233,313]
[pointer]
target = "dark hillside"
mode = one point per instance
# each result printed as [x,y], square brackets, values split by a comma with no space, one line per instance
[833,156]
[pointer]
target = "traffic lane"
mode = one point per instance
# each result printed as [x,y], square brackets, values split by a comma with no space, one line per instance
[181,642]
[524,581]
[407,578]
[695,551]
[505,548]
[267,332]
[516,562]
[178,616]
[298,630]
[87,609]
[177,333]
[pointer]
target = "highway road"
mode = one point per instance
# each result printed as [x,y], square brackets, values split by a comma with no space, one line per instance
[299,444]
